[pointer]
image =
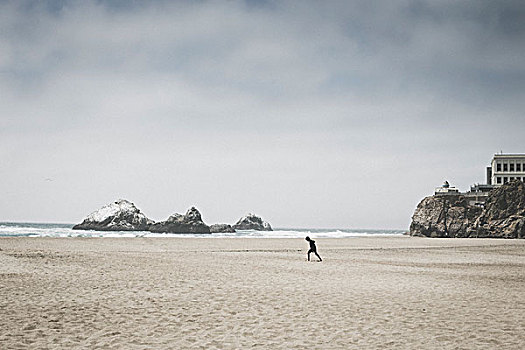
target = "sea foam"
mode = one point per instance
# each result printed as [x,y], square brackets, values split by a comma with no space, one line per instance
[65,230]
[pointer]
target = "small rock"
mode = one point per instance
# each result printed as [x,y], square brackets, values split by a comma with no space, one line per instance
[221,228]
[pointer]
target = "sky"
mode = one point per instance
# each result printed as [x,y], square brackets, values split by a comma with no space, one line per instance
[310,114]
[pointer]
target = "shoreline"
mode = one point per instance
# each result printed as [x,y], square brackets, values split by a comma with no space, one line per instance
[180,293]
[50,230]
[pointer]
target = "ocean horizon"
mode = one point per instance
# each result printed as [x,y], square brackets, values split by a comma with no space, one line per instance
[35,229]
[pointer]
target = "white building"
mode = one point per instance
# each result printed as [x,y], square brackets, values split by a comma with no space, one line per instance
[505,168]
[446,189]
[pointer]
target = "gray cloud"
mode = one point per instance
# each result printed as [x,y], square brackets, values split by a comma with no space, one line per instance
[319,114]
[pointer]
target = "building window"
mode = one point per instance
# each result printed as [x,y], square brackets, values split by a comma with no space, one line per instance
[505,180]
[498,180]
[518,166]
[498,167]
[505,167]
[511,166]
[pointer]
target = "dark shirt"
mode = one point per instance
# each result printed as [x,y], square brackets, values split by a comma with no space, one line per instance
[312,245]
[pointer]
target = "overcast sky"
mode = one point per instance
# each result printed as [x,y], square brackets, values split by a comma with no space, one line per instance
[332,114]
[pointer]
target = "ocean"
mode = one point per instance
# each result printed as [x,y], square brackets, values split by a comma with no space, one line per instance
[25,229]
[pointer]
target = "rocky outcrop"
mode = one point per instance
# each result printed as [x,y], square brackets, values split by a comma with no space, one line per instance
[221,228]
[443,216]
[121,215]
[503,215]
[191,222]
[252,222]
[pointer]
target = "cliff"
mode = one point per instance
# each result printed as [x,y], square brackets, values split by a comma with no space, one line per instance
[503,215]
[443,216]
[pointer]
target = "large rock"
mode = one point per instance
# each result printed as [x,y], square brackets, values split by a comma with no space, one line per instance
[504,213]
[252,222]
[191,222]
[121,215]
[443,216]
[221,228]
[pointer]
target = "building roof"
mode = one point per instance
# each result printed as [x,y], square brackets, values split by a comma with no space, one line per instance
[508,155]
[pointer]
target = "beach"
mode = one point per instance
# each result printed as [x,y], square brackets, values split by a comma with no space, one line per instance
[393,292]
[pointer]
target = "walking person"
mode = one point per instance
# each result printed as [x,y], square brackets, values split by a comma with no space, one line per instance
[313,248]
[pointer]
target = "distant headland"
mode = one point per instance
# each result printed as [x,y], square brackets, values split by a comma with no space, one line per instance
[495,209]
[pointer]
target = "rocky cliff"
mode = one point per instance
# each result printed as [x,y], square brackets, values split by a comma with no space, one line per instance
[504,213]
[450,215]
[191,222]
[121,215]
[443,216]
[252,222]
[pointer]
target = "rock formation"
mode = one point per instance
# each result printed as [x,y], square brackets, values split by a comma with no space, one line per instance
[252,222]
[121,215]
[191,222]
[221,228]
[443,216]
[503,215]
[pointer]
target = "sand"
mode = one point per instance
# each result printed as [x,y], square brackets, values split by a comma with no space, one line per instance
[193,293]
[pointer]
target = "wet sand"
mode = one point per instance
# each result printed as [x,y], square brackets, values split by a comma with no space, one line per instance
[193,293]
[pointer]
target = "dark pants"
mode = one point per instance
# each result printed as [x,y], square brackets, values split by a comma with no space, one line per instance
[315,252]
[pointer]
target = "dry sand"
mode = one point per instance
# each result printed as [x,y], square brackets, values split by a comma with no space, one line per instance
[191,293]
